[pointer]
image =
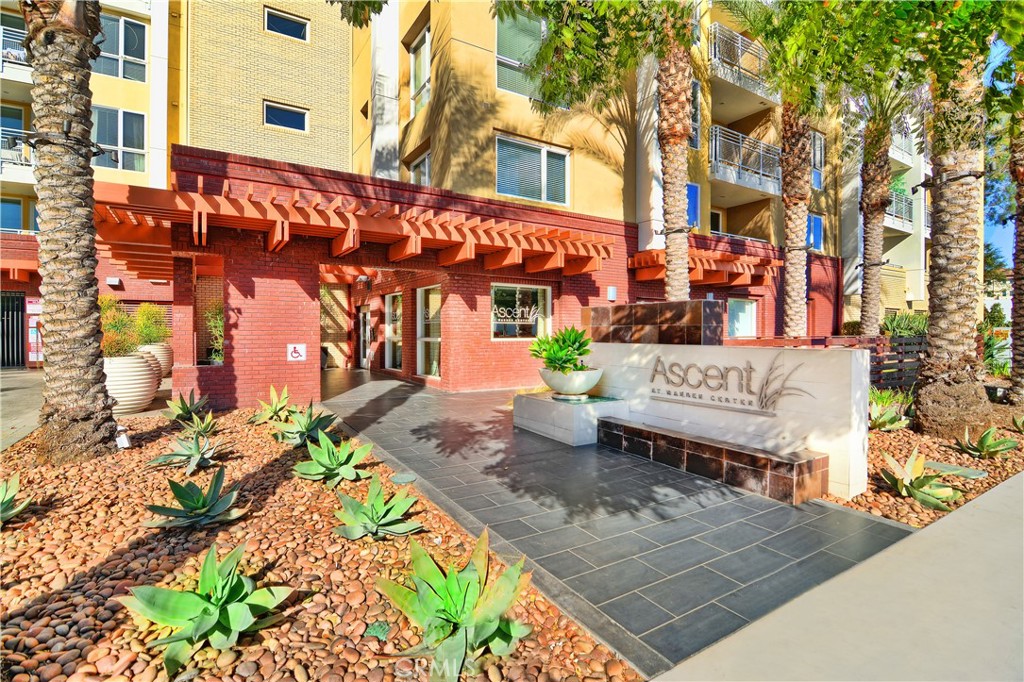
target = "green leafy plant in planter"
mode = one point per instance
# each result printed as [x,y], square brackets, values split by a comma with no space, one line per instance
[205,426]
[195,453]
[8,490]
[149,324]
[276,410]
[119,335]
[196,507]
[214,317]
[911,481]
[885,418]
[225,605]
[183,410]
[987,446]
[461,613]
[561,352]
[332,464]
[303,426]
[905,324]
[378,516]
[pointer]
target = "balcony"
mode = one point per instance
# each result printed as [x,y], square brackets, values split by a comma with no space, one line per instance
[928,223]
[15,60]
[16,158]
[902,150]
[749,167]
[900,214]
[738,69]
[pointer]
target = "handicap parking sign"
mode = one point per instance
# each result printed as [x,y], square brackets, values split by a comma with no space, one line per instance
[296,352]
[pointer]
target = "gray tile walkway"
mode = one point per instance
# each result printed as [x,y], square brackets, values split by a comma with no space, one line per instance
[657,563]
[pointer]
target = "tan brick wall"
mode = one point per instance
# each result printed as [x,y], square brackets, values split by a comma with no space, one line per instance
[209,292]
[335,323]
[234,65]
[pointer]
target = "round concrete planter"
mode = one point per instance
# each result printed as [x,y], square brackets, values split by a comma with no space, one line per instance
[154,364]
[163,353]
[573,383]
[130,382]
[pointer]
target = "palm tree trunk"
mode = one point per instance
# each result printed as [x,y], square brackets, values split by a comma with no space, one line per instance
[875,176]
[1017,321]
[76,418]
[675,80]
[796,196]
[950,393]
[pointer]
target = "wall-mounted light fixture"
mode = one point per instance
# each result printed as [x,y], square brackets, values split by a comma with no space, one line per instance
[613,293]
[365,279]
[113,281]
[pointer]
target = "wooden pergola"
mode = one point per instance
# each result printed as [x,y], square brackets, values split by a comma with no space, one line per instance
[709,268]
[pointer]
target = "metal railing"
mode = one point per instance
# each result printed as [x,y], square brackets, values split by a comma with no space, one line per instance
[738,52]
[12,45]
[902,142]
[13,149]
[928,223]
[747,155]
[901,207]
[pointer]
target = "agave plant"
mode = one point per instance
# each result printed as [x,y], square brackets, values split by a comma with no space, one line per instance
[378,517]
[198,508]
[561,352]
[303,426]
[183,410]
[987,446]
[197,452]
[461,614]
[205,426]
[276,410]
[8,489]
[332,464]
[885,418]
[225,606]
[1018,424]
[910,481]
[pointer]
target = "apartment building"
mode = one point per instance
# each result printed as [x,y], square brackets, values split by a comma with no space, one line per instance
[129,85]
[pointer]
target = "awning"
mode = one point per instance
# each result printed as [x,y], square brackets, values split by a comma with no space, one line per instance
[709,267]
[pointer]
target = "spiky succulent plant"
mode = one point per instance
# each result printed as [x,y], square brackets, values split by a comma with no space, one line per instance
[378,516]
[192,453]
[911,481]
[8,489]
[461,613]
[1018,425]
[204,426]
[303,426]
[183,410]
[884,418]
[331,463]
[225,606]
[276,410]
[197,508]
[987,446]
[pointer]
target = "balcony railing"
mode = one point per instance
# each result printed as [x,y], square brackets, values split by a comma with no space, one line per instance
[12,45]
[745,160]
[13,150]
[901,207]
[928,223]
[739,59]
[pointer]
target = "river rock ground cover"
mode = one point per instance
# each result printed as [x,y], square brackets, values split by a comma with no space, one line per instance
[882,500]
[82,543]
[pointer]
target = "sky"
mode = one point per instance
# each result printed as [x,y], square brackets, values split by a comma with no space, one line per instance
[999,235]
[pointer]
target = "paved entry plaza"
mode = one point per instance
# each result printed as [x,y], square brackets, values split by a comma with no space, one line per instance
[656,562]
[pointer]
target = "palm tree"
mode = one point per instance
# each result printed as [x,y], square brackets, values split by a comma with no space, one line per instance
[793,70]
[76,417]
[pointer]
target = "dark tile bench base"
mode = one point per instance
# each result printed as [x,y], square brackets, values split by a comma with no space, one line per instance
[792,478]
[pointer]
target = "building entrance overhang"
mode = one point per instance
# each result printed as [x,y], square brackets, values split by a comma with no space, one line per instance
[709,267]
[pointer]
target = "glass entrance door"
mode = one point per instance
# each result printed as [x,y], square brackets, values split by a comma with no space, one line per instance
[428,331]
[365,337]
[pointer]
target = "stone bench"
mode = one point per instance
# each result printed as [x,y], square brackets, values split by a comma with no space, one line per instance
[792,478]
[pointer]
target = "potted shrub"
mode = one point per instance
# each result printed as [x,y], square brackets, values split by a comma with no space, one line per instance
[563,371]
[131,380]
[153,332]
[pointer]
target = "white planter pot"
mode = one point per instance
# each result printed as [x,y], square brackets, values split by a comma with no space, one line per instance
[163,353]
[130,382]
[154,364]
[573,383]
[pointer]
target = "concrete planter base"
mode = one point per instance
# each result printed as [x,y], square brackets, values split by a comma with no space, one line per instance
[130,382]
[163,353]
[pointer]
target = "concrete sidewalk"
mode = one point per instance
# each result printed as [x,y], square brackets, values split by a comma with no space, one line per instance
[21,396]
[946,603]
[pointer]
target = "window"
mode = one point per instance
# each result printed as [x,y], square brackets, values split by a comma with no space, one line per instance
[693,205]
[518,40]
[12,21]
[815,231]
[393,331]
[283,116]
[419,72]
[285,24]
[716,222]
[122,48]
[742,318]
[520,312]
[532,172]
[10,215]
[123,135]
[695,116]
[12,118]
[817,160]
[419,171]
[428,331]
